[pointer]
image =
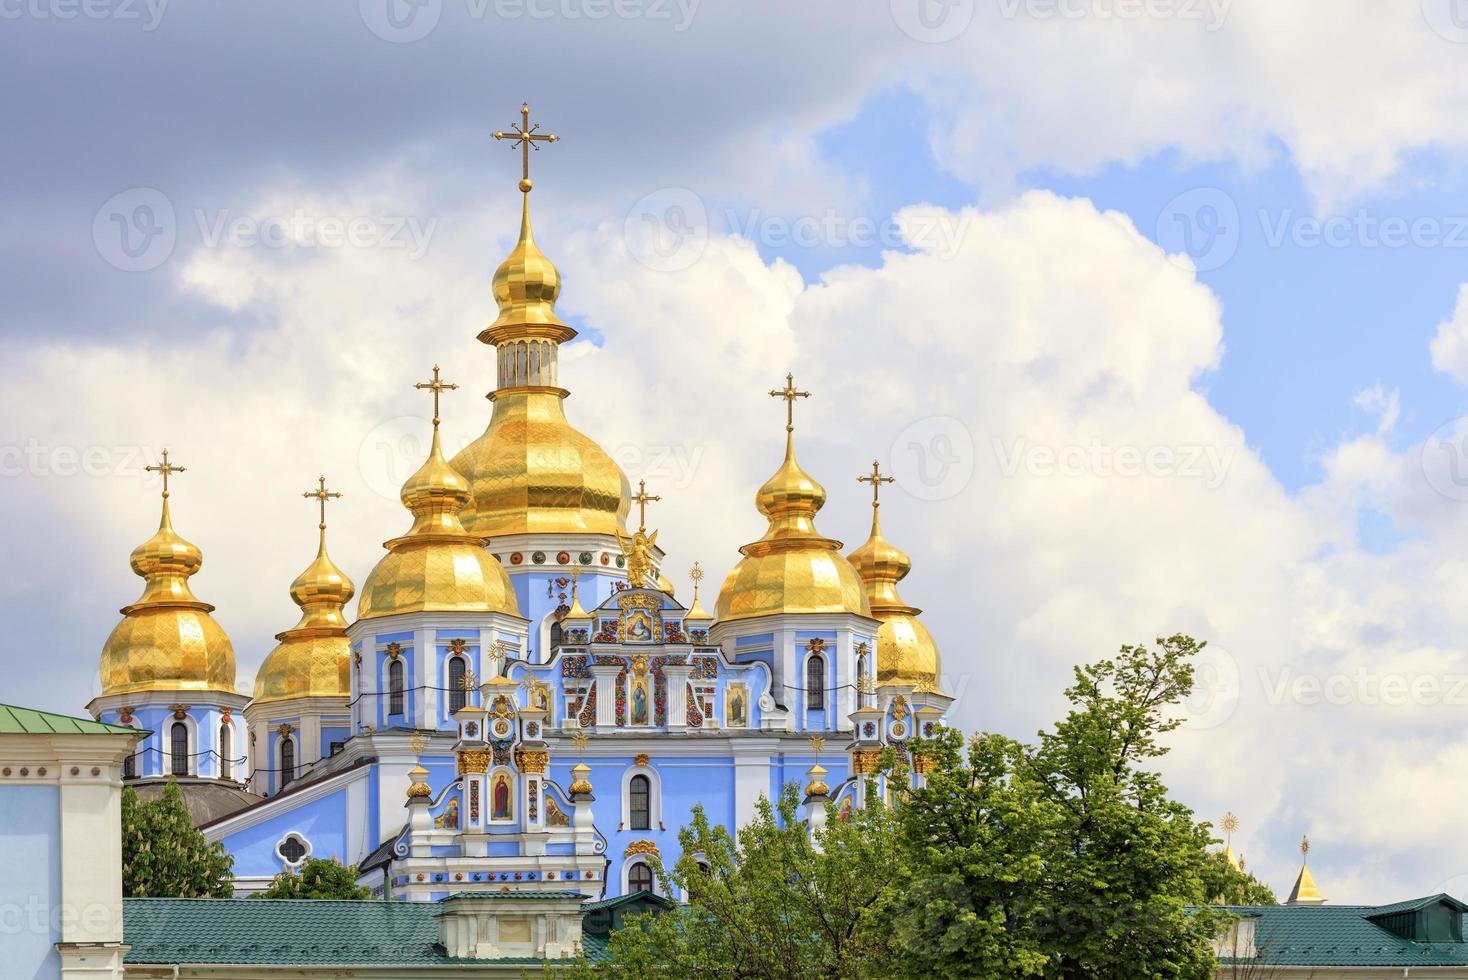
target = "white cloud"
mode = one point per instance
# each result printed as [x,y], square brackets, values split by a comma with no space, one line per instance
[1450,346]
[1045,367]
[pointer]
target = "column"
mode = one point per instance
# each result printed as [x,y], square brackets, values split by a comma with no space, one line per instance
[606,694]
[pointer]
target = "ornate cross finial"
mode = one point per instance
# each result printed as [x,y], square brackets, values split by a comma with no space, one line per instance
[580,740]
[322,495]
[789,394]
[165,468]
[525,136]
[696,573]
[437,387]
[1229,824]
[417,743]
[817,743]
[1304,847]
[642,498]
[876,479]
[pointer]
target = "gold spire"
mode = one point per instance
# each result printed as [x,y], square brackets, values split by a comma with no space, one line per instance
[531,472]
[312,659]
[906,653]
[418,788]
[1229,824]
[579,772]
[696,611]
[1305,892]
[167,641]
[576,612]
[792,569]
[437,565]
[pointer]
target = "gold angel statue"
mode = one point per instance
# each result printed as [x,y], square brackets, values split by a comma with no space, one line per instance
[638,549]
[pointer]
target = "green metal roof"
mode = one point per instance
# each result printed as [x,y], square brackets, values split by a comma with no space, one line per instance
[306,932]
[1344,935]
[28,721]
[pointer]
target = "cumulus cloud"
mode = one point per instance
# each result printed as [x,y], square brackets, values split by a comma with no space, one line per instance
[1450,345]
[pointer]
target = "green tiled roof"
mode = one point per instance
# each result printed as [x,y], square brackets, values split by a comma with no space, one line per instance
[1344,935]
[646,898]
[562,893]
[293,931]
[28,721]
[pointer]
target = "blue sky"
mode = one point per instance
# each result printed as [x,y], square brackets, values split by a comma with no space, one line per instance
[1074,160]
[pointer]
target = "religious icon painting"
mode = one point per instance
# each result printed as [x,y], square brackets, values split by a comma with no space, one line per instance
[736,706]
[639,626]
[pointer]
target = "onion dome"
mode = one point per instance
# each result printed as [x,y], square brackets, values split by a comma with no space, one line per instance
[313,657]
[418,788]
[531,472]
[167,641]
[815,787]
[437,566]
[906,653]
[792,569]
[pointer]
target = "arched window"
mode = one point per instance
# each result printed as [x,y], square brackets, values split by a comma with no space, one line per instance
[639,878]
[130,767]
[557,634]
[225,751]
[179,748]
[640,792]
[815,681]
[395,687]
[287,761]
[457,695]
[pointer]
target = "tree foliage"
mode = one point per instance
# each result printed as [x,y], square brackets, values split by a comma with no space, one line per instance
[1062,858]
[318,878]
[770,902]
[163,856]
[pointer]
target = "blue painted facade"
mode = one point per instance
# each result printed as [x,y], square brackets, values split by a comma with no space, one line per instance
[30,888]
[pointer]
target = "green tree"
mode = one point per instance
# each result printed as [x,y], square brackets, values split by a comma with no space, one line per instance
[318,878]
[163,856]
[1066,858]
[769,902]
[1226,885]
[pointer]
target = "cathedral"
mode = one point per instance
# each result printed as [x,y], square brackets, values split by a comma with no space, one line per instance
[518,701]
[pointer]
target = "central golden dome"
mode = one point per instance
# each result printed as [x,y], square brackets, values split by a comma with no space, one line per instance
[792,569]
[531,472]
[313,658]
[437,566]
[167,641]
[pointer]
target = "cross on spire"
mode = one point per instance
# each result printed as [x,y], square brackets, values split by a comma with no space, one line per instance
[525,136]
[642,499]
[437,387]
[789,394]
[322,495]
[876,479]
[166,468]
[696,573]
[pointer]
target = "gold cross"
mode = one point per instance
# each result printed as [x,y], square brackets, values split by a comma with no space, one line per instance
[696,573]
[322,495]
[643,498]
[525,136]
[876,480]
[789,394]
[437,387]
[165,468]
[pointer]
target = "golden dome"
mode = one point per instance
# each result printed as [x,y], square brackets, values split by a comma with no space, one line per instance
[906,653]
[792,569]
[437,566]
[531,472]
[167,641]
[314,656]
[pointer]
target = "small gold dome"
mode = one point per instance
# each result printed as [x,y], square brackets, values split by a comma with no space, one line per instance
[906,653]
[531,472]
[167,641]
[437,566]
[792,569]
[313,657]
[526,286]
